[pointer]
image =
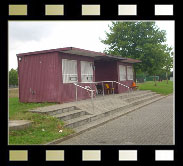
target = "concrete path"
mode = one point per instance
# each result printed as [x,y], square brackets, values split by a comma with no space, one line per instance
[150,125]
[19,124]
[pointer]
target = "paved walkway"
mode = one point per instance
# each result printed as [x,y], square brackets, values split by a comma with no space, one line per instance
[150,125]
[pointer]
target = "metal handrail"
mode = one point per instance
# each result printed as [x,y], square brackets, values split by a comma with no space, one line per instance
[122,84]
[83,87]
[111,82]
[90,90]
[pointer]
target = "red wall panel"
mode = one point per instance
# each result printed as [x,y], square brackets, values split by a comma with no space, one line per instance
[38,81]
[68,90]
[121,88]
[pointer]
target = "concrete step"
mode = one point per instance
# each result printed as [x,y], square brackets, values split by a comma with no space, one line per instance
[76,122]
[73,123]
[135,93]
[126,106]
[142,100]
[136,97]
[19,124]
[55,109]
[62,110]
[101,121]
[71,115]
[117,102]
[116,115]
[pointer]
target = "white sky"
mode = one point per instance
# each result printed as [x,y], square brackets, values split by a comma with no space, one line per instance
[28,36]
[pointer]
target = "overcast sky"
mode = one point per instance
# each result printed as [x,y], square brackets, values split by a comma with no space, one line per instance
[28,36]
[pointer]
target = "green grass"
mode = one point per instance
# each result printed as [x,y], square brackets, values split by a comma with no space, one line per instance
[16,109]
[161,87]
[44,128]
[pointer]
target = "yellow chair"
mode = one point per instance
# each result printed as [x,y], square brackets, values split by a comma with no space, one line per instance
[108,88]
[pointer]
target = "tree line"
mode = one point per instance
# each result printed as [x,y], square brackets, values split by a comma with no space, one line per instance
[143,41]
[13,77]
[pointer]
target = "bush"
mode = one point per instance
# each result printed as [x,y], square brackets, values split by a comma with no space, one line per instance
[13,77]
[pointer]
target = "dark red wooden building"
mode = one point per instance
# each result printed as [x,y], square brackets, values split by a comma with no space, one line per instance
[49,76]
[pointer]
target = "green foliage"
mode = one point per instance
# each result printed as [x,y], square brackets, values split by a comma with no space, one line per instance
[151,78]
[13,77]
[138,40]
[140,77]
[168,59]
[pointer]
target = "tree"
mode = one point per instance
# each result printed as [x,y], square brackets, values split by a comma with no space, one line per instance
[168,62]
[153,58]
[13,77]
[138,40]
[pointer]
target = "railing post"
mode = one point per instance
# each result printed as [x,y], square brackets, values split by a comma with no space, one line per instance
[112,87]
[92,101]
[76,92]
[103,87]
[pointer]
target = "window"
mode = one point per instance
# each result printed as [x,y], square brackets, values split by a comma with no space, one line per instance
[122,72]
[129,73]
[69,71]
[86,71]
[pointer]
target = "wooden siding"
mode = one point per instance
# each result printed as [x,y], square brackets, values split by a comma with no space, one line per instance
[38,80]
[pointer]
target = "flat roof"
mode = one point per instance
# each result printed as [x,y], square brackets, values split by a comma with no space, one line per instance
[130,60]
[83,52]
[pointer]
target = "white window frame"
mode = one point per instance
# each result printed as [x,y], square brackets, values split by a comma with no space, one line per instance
[69,77]
[130,74]
[86,76]
[122,74]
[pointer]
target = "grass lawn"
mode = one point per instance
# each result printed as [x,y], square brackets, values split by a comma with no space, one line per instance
[161,87]
[44,128]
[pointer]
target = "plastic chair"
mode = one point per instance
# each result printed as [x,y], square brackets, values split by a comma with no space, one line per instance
[108,88]
[134,86]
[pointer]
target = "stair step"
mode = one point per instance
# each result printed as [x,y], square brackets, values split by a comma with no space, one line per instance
[76,122]
[140,96]
[141,100]
[126,106]
[114,116]
[62,110]
[102,121]
[136,93]
[73,123]
[70,115]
